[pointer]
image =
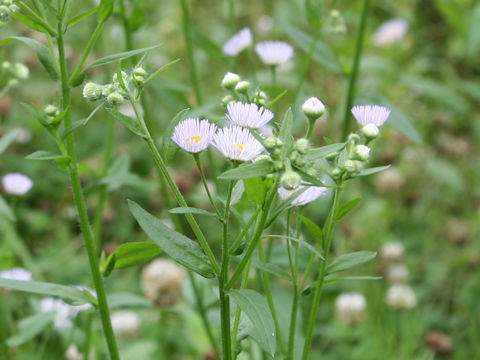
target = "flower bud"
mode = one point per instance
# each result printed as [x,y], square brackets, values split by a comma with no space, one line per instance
[336,172]
[6,65]
[290,180]
[313,108]
[242,87]
[124,78]
[227,100]
[353,138]
[350,166]
[92,91]
[302,146]
[392,251]
[50,110]
[107,90]
[4,12]
[270,142]
[139,71]
[362,152]
[262,158]
[20,71]
[12,82]
[370,131]
[230,80]
[332,156]
[162,282]
[115,98]
[278,164]
[13,8]
[350,308]
[397,274]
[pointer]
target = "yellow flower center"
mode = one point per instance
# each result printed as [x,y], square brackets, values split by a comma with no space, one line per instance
[239,146]
[194,139]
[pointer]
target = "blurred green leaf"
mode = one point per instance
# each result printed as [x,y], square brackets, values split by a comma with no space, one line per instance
[273,269]
[372,171]
[7,139]
[130,123]
[285,134]
[5,210]
[123,300]
[313,228]
[473,34]
[135,253]
[105,9]
[74,20]
[30,327]
[43,155]
[247,171]
[191,210]
[180,248]
[167,145]
[446,174]
[81,122]
[345,208]
[255,189]
[256,307]
[348,261]
[208,46]
[237,193]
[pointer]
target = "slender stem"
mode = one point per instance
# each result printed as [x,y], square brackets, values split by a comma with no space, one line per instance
[330,225]
[293,272]
[236,322]
[244,231]
[231,15]
[311,125]
[356,65]
[205,185]
[81,205]
[187,33]
[176,192]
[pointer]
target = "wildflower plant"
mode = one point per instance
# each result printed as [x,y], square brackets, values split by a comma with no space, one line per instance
[275,176]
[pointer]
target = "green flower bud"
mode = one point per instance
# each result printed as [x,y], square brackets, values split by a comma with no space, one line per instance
[230,80]
[4,12]
[300,161]
[302,146]
[353,138]
[332,156]
[278,164]
[290,180]
[350,166]
[139,71]
[242,87]
[293,156]
[13,8]
[313,108]
[227,100]
[361,152]
[336,172]
[115,98]
[50,110]
[12,82]
[370,131]
[6,65]
[92,91]
[270,142]
[262,158]
[124,77]
[107,90]
[20,71]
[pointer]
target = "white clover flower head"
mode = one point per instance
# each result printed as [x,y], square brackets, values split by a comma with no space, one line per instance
[313,108]
[350,308]
[162,282]
[274,52]
[248,115]
[237,143]
[194,135]
[125,323]
[370,131]
[64,313]
[397,274]
[238,42]
[401,296]
[230,80]
[16,184]
[362,152]
[312,193]
[370,114]
[17,273]
[390,32]
[392,251]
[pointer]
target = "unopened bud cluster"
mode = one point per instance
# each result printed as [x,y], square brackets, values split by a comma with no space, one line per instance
[240,90]
[7,9]
[13,72]
[51,113]
[335,23]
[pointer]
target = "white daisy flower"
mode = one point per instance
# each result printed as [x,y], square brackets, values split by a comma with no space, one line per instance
[237,143]
[274,52]
[248,115]
[17,184]
[370,114]
[194,135]
[16,274]
[238,42]
[390,32]
[312,193]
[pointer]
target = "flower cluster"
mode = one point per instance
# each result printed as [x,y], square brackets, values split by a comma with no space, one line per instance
[240,91]
[7,9]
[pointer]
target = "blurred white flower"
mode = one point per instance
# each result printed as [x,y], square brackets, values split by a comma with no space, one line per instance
[125,323]
[17,184]
[72,353]
[390,181]
[194,135]
[390,32]
[64,313]
[312,193]
[248,115]
[264,24]
[237,143]
[24,135]
[16,274]
[350,308]
[238,42]
[392,251]
[162,282]
[401,297]
[274,52]
[397,274]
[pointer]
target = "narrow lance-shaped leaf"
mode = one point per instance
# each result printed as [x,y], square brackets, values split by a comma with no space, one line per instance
[248,171]
[286,132]
[191,210]
[345,208]
[349,261]
[372,171]
[321,152]
[5,210]
[130,123]
[7,139]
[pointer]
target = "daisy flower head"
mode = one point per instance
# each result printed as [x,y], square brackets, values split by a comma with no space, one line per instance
[193,135]
[370,114]
[248,115]
[16,184]
[312,193]
[16,274]
[390,32]
[237,143]
[274,52]
[238,42]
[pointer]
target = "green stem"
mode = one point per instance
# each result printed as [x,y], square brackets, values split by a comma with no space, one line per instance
[205,185]
[294,311]
[244,231]
[88,335]
[187,33]
[176,192]
[81,205]
[356,65]
[236,322]
[311,125]
[330,225]
[231,15]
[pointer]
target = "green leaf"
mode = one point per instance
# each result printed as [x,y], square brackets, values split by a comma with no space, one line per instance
[30,327]
[256,307]
[42,52]
[345,208]
[322,53]
[159,71]
[191,210]
[321,152]
[285,133]
[46,155]
[31,23]
[107,264]
[273,269]
[135,253]
[313,228]
[284,205]
[180,248]
[372,171]
[255,190]
[237,193]
[349,261]
[82,16]
[105,9]
[167,145]
[473,34]
[331,278]
[7,139]
[5,210]
[123,300]
[68,293]
[129,122]
[81,122]
[108,60]
[248,171]
[301,242]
